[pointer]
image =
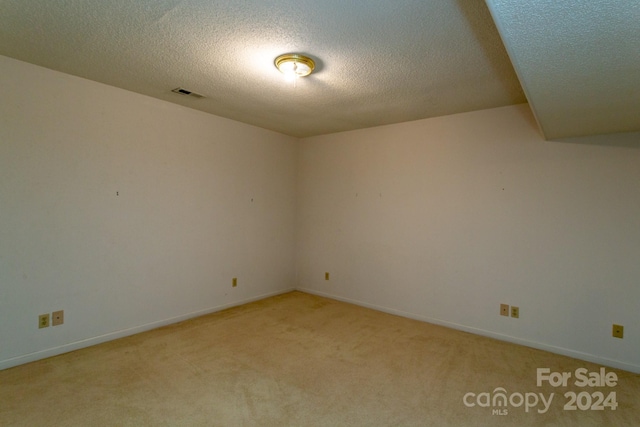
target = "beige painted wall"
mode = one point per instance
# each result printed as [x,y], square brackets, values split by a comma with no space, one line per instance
[128,213]
[444,219]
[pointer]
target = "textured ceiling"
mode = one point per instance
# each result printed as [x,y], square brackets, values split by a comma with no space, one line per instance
[578,61]
[379,61]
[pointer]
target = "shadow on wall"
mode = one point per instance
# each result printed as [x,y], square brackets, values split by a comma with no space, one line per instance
[481,23]
[627,139]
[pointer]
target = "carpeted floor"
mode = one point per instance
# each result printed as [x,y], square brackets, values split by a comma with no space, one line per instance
[302,360]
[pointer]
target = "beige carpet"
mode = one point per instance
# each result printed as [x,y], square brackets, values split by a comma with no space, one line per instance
[301,360]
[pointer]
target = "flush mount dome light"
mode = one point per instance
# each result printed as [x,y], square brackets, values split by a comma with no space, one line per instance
[294,65]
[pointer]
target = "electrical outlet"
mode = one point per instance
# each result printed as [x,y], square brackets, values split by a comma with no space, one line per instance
[504,310]
[515,312]
[234,282]
[57,318]
[326,276]
[618,331]
[43,321]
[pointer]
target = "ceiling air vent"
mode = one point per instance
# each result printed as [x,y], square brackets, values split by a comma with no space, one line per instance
[186,92]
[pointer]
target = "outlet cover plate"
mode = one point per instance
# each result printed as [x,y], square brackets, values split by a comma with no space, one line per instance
[618,331]
[43,321]
[515,312]
[57,318]
[504,310]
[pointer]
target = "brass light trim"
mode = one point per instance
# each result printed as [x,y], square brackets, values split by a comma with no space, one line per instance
[295,64]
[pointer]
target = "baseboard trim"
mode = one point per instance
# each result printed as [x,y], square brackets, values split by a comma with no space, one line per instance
[533,344]
[77,345]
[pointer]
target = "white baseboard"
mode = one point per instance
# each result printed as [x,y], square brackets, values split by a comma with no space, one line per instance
[77,345]
[533,344]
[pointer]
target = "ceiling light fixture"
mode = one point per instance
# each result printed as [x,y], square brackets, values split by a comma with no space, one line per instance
[294,65]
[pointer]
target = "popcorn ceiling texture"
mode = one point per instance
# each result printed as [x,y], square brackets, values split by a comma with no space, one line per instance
[579,62]
[378,62]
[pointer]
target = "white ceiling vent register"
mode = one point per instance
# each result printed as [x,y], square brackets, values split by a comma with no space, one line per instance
[186,92]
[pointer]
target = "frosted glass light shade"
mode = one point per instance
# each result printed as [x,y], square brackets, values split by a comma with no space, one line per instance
[294,65]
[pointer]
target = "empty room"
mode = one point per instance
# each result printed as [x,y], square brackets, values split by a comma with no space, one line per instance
[297,213]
